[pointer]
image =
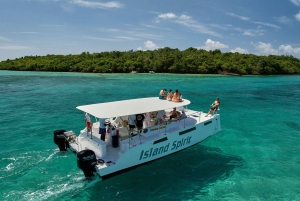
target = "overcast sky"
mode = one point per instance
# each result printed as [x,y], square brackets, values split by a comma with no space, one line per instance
[41,27]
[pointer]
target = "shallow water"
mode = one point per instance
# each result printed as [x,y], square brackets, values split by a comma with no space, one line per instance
[254,157]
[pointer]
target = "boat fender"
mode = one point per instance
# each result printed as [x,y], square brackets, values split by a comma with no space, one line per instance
[86,161]
[60,140]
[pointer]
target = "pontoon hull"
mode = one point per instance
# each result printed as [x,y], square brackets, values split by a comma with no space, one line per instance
[162,146]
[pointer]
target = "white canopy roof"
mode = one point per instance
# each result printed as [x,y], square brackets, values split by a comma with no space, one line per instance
[128,107]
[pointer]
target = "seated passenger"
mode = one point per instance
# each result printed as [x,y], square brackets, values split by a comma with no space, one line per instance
[176,96]
[153,118]
[162,95]
[183,115]
[174,114]
[170,95]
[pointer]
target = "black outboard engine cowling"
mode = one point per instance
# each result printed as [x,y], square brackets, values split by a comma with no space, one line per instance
[86,161]
[60,140]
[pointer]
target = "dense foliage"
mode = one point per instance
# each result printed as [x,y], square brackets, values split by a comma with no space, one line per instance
[164,60]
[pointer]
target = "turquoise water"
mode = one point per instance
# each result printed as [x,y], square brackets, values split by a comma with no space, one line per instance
[254,157]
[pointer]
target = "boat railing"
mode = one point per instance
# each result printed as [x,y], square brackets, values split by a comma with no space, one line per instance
[195,114]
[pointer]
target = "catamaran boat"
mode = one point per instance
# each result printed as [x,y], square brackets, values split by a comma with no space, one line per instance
[120,148]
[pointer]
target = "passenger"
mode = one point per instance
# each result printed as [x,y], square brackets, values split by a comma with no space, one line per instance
[214,106]
[169,95]
[153,118]
[88,122]
[131,119]
[183,115]
[161,115]
[102,128]
[146,122]
[139,118]
[174,114]
[162,95]
[176,96]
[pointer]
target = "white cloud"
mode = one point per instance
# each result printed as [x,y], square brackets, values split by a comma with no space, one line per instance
[240,50]
[3,38]
[297,16]
[184,17]
[212,45]
[265,49]
[296,2]
[248,33]
[126,38]
[167,16]
[92,4]
[14,47]
[150,45]
[26,32]
[267,25]
[187,21]
[283,20]
[248,19]
[155,27]
[288,49]
[100,38]
[197,27]
[251,32]
[238,16]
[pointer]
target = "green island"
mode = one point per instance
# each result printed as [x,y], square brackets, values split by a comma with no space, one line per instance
[164,60]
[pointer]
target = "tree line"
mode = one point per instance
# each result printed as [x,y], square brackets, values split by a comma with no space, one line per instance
[165,60]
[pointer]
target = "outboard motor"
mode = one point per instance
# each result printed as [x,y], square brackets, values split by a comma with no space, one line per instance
[60,140]
[86,161]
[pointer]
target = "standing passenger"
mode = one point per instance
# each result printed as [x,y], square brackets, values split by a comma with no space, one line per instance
[139,122]
[88,122]
[131,123]
[102,128]
[214,106]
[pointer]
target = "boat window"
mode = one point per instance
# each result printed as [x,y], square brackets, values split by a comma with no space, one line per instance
[160,140]
[206,123]
[187,131]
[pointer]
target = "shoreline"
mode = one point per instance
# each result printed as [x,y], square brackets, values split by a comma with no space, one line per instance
[136,74]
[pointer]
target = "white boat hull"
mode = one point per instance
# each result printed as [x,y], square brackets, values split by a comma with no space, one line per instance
[145,149]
